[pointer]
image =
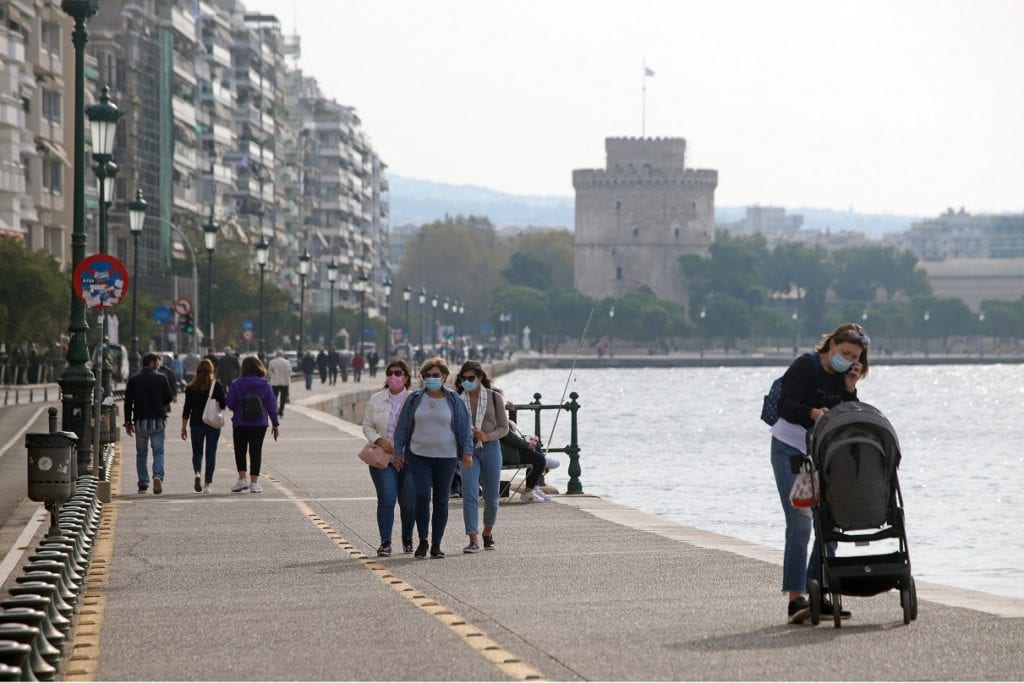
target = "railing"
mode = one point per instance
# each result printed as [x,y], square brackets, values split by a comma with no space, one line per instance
[572,449]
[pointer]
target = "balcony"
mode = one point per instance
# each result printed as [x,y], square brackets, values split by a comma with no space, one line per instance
[11,112]
[183,23]
[183,111]
[219,55]
[185,156]
[12,178]
[181,70]
[12,46]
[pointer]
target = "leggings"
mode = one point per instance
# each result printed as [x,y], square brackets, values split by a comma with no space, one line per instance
[251,439]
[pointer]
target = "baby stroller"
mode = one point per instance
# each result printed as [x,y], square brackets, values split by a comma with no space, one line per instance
[854,454]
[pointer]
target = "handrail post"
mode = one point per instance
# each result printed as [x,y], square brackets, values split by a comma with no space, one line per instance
[536,416]
[574,487]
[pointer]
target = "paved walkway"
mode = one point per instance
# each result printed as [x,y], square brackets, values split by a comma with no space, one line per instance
[284,586]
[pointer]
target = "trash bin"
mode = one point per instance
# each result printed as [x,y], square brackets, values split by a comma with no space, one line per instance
[108,423]
[51,466]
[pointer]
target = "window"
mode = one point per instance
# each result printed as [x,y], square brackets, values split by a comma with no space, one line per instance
[53,176]
[50,38]
[52,106]
[636,232]
[618,272]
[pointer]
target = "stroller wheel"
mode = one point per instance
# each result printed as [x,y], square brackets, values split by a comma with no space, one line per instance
[837,608]
[814,589]
[908,598]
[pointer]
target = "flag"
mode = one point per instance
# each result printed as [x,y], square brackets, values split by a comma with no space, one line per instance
[648,71]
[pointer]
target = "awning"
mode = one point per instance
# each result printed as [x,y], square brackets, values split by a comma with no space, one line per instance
[51,148]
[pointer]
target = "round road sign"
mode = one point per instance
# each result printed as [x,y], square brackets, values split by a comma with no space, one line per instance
[101,281]
[183,305]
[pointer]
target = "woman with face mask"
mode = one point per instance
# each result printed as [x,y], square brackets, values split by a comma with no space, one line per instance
[814,383]
[489,423]
[432,434]
[392,484]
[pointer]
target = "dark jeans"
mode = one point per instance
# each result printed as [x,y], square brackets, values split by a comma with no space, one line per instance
[281,394]
[394,486]
[251,439]
[536,461]
[204,438]
[433,479]
[309,380]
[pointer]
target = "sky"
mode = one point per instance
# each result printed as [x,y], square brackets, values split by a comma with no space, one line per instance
[904,107]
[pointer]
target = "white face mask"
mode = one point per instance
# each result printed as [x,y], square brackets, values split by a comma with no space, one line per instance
[839,363]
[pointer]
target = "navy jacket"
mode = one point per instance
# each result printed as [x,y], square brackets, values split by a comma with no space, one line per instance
[460,423]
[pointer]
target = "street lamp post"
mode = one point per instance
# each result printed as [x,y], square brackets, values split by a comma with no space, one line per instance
[422,298]
[611,330]
[360,286]
[196,308]
[703,333]
[981,334]
[924,332]
[332,276]
[796,333]
[407,297]
[262,253]
[210,241]
[136,220]
[387,318]
[303,272]
[433,321]
[444,329]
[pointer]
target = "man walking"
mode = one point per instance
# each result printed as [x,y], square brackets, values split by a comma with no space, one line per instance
[228,367]
[280,378]
[308,366]
[146,400]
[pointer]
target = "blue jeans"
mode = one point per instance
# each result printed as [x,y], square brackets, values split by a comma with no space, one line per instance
[433,481]
[795,566]
[486,467]
[206,435]
[392,486]
[149,432]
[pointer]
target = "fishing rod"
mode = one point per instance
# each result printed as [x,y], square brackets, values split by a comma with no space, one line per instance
[572,369]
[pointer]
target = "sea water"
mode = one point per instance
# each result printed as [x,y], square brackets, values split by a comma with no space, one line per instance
[687,444]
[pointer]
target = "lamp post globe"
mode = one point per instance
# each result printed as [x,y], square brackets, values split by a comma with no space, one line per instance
[332,276]
[262,255]
[210,242]
[303,272]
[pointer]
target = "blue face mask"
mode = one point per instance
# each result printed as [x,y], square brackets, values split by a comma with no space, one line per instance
[469,386]
[839,363]
[432,383]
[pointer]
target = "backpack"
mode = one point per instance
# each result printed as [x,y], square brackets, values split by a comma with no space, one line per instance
[252,407]
[770,405]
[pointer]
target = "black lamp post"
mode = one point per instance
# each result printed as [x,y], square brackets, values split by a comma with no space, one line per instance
[703,333]
[332,276]
[924,332]
[210,242]
[796,333]
[444,329]
[303,272]
[262,253]
[407,297]
[360,286]
[433,321]
[387,319]
[136,221]
[422,298]
[76,380]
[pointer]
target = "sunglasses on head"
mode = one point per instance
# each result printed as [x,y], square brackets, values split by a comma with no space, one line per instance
[432,374]
[855,337]
[396,373]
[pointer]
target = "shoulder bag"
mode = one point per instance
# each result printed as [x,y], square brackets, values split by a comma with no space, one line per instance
[212,415]
[375,456]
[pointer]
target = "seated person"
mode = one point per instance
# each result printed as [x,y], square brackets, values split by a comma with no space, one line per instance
[516,449]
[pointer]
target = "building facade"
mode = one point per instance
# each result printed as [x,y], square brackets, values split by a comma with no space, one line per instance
[638,215]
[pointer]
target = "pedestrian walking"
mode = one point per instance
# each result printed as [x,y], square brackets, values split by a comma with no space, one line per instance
[391,484]
[433,431]
[357,366]
[814,383]
[372,360]
[188,367]
[344,362]
[147,398]
[203,388]
[321,365]
[308,367]
[489,424]
[228,367]
[280,380]
[333,361]
[172,381]
[253,409]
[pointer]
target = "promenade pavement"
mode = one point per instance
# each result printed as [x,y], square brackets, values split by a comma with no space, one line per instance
[285,585]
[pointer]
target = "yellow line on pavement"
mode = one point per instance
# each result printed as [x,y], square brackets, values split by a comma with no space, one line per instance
[85,638]
[505,661]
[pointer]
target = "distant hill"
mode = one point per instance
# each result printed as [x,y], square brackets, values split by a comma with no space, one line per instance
[415,202]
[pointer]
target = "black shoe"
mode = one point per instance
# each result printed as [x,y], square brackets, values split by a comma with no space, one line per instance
[406,546]
[143,489]
[198,485]
[799,610]
[828,610]
[488,542]
[421,549]
[384,550]
[435,552]
[158,486]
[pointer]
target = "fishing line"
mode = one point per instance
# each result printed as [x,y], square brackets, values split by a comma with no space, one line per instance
[572,369]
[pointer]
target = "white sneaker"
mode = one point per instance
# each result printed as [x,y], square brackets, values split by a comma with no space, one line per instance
[206,488]
[539,492]
[532,497]
[551,462]
[255,488]
[240,485]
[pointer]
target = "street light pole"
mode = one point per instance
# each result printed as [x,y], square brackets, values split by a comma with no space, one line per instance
[303,272]
[262,252]
[703,333]
[611,332]
[407,297]
[332,275]
[136,220]
[796,334]
[387,319]
[433,321]
[76,380]
[924,337]
[210,241]
[360,286]
[422,298]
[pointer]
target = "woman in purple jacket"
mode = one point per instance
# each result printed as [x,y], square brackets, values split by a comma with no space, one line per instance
[253,407]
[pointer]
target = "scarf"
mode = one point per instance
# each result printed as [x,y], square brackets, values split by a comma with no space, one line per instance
[481,410]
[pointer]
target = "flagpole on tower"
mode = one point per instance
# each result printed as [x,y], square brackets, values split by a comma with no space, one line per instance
[643,101]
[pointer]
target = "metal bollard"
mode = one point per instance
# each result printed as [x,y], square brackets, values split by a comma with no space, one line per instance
[18,656]
[63,586]
[47,646]
[51,579]
[22,625]
[38,589]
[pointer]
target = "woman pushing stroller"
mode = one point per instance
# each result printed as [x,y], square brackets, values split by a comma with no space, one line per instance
[814,383]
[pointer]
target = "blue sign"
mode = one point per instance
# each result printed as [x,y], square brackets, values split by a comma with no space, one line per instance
[162,315]
[486,328]
[368,332]
[247,326]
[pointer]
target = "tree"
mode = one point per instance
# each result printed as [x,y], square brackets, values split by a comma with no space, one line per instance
[35,297]
[729,318]
[792,266]
[528,270]
[528,305]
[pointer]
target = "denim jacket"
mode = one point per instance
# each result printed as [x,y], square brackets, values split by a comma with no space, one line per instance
[407,423]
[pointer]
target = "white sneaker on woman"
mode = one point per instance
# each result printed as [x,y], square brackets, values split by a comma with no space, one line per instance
[255,488]
[540,494]
[240,485]
[532,497]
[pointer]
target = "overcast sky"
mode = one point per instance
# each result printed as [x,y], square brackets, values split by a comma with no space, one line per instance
[900,107]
